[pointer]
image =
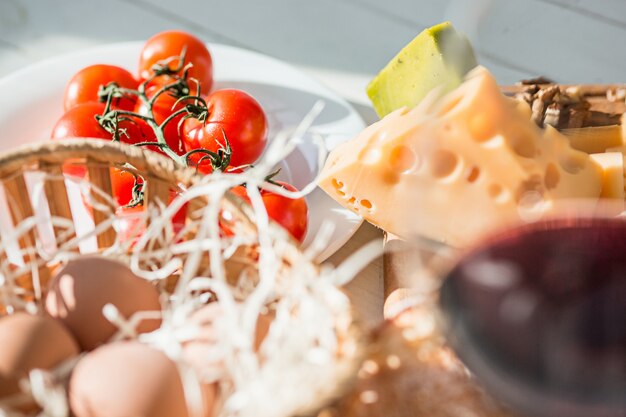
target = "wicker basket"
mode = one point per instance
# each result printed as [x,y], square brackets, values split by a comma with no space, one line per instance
[97,157]
[48,161]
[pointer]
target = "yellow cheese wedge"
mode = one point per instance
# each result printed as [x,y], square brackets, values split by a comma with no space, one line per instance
[595,139]
[612,164]
[454,169]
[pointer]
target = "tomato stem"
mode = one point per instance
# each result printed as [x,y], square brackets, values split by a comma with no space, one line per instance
[138,192]
[195,107]
[219,160]
[270,178]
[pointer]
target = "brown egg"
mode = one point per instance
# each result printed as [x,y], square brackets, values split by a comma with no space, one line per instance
[28,342]
[131,379]
[85,285]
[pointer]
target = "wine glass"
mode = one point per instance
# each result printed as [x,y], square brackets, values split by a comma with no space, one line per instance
[537,312]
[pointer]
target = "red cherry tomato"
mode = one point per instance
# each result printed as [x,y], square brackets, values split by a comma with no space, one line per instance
[80,122]
[84,85]
[122,184]
[237,115]
[168,44]
[162,108]
[133,224]
[292,214]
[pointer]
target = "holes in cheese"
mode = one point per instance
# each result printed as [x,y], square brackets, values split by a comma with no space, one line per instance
[338,186]
[552,176]
[367,204]
[472,174]
[352,202]
[573,162]
[523,144]
[443,163]
[402,159]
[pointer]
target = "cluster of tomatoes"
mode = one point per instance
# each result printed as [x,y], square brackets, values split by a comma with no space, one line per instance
[170,108]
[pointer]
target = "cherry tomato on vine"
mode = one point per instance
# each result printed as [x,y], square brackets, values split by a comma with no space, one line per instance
[80,122]
[233,113]
[171,43]
[84,85]
[292,214]
[162,108]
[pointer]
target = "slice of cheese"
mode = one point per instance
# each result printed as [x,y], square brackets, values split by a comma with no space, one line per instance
[456,168]
[595,139]
[612,164]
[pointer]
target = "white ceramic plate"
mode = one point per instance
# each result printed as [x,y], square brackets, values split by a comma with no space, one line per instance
[32,102]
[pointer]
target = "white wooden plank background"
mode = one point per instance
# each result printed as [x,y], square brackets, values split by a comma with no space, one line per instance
[343,43]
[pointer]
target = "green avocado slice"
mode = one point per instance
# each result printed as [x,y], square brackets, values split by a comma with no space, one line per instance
[439,56]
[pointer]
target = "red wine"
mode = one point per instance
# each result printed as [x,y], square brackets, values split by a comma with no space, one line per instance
[539,314]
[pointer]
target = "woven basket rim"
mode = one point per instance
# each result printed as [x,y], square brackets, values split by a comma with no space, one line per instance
[99,151]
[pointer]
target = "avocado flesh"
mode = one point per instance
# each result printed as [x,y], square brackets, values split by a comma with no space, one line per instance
[439,56]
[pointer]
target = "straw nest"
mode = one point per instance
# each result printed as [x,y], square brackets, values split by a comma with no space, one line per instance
[224,253]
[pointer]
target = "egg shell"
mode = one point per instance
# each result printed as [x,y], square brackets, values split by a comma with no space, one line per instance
[128,378]
[28,342]
[80,290]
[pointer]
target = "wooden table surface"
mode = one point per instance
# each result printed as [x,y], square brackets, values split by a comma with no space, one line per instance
[342,43]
